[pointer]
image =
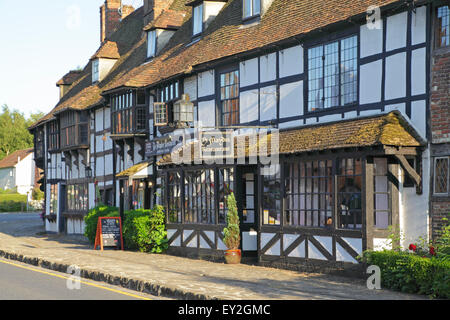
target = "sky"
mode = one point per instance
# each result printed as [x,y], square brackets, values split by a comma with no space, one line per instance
[40,41]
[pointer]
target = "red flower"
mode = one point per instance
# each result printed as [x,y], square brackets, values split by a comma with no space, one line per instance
[432,251]
[412,247]
[96,182]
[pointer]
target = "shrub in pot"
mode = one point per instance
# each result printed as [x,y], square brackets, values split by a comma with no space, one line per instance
[232,233]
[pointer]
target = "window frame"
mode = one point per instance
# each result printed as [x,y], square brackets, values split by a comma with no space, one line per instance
[337,37]
[437,39]
[95,70]
[202,24]
[253,14]
[154,45]
[441,194]
[219,95]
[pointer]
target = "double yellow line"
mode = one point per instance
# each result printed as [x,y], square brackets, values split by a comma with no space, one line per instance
[83,282]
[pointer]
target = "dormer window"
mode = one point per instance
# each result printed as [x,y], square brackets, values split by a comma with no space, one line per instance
[251,8]
[197,19]
[151,44]
[95,71]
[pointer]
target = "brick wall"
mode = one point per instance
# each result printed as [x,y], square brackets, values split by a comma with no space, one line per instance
[440,209]
[109,18]
[440,128]
[440,101]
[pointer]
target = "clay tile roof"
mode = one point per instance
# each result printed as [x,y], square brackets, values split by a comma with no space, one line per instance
[168,19]
[69,78]
[108,50]
[388,129]
[12,159]
[126,44]
[227,36]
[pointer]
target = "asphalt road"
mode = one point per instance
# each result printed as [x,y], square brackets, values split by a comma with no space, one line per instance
[20,281]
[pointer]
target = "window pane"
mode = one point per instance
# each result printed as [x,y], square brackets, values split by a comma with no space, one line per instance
[247,8]
[151,43]
[198,19]
[256,7]
[441,174]
[443,28]
[315,78]
[349,70]
[331,79]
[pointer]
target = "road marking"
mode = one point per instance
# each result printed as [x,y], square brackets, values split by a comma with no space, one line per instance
[84,282]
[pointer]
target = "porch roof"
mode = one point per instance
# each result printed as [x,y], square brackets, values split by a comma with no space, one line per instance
[389,129]
[135,171]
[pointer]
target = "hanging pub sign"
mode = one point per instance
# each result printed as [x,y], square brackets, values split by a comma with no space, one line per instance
[216,144]
[109,233]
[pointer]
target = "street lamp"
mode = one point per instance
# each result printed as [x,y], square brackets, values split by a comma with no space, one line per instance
[88,172]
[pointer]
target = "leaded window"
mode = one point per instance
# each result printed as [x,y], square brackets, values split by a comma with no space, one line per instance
[53,199]
[349,197]
[443,26]
[332,74]
[229,98]
[199,197]
[382,205]
[309,193]
[53,137]
[441,176]
[77,197]
[271,198]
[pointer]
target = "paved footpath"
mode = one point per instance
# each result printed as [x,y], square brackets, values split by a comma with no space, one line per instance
[22,238]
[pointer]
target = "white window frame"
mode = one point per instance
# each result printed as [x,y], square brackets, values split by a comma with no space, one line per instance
[151,43]
[448,176]
[95,70]
[196,11]
[251,3]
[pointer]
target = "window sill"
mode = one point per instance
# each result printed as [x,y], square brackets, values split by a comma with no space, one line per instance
[331,109]
[251,19]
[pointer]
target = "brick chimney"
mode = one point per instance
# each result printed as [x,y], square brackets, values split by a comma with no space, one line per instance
[109,18]
[153,8]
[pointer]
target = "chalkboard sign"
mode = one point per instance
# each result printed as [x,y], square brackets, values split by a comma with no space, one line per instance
[109,233]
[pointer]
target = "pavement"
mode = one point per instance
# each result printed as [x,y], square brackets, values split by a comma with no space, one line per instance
[23,238]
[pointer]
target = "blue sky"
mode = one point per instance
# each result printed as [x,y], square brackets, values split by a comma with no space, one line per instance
[40,41]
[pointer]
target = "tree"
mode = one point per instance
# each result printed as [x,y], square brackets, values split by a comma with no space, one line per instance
[14,134]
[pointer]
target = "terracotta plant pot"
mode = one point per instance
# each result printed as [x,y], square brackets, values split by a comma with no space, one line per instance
[233,256]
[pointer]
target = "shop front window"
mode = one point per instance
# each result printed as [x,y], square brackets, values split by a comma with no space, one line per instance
[382,208]
[309,193]
[199,197]
[174,203]
[271,194]
[349,187]
[53,199]
[77,197]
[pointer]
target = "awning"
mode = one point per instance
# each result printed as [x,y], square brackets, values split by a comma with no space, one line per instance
[138,171]
[382,130]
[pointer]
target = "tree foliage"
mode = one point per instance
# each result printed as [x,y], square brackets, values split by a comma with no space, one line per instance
[14,134]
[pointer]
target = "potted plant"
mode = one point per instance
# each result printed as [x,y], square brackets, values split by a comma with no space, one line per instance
[232,233]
